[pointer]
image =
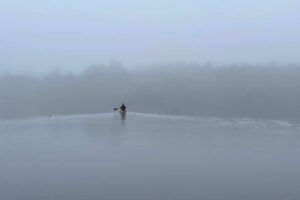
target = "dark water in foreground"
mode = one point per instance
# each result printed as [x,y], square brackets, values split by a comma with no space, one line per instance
[92,157]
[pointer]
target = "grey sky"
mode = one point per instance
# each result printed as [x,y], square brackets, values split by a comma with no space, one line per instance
[72,34]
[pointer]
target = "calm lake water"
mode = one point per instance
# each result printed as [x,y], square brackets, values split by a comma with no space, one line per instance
[147,156]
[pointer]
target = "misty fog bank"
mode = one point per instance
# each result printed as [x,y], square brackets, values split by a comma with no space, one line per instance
[204,90]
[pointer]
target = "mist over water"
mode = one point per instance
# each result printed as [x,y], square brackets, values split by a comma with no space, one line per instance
[191,132]
[176,89]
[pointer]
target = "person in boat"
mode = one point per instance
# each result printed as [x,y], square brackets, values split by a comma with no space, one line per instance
[123,107]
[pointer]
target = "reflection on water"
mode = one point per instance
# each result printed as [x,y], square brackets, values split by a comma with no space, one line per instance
[149,157]
[123,117]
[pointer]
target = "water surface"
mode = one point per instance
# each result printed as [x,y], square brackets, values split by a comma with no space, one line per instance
[148,156]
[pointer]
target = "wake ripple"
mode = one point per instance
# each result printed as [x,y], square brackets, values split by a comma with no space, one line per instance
[233,122]
[135,116]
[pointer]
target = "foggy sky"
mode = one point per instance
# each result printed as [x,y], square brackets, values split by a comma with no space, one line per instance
[39,36]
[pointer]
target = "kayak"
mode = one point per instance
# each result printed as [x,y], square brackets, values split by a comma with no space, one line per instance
[122,112]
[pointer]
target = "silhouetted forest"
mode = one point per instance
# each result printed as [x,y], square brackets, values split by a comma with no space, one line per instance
[176,89]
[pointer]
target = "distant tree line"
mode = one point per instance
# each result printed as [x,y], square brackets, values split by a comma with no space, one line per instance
[176,89]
